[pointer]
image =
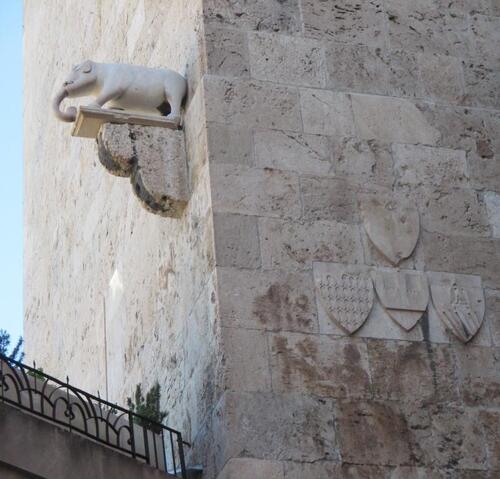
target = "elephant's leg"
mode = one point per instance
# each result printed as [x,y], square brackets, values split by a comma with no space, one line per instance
[174,99]
[105,96]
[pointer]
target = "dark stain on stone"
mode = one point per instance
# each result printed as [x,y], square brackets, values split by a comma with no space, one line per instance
[278,306]
[484,149]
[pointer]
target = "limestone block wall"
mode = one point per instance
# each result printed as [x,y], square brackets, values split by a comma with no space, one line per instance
[314,107]
[109,287]
[301,115]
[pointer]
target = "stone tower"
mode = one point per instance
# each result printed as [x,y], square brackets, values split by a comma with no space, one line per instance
[328,305]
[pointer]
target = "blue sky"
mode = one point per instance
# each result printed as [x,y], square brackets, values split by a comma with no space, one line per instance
[11,158]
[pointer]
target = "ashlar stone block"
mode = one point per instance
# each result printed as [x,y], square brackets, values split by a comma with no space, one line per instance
[363,161]
[286,59]
[253,191]
[393,120]
[246,366]
[268,15]
[226,52]
[249,468]
[236,241]
[155,160]
[477,369]
[326,113]
[320,365]
[289,151]
[326,198]
[346,21]
[442,77]
[373,432]
[412,371]
[252,103]
[417,165]
[481,84]
[295,245]
[357,68]
[271,300]
[492,201]
[284,427]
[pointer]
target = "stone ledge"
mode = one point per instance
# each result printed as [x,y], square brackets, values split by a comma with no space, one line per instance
[154,159]
[89,121]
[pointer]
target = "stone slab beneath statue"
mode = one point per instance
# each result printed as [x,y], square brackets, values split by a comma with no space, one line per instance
[89,120]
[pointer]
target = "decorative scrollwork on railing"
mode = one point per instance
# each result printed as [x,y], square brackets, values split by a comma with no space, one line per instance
[38,393]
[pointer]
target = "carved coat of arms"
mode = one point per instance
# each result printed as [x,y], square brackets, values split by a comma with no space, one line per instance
[346,293]
[393,225]
[459,302]
[403,294]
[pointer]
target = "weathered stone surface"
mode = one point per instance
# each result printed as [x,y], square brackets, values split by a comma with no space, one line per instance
[289,151]
[329,470]
[392,120]
[485,38]
[246,468]
[269,300]
[481,84]
[289,427]
[365,161]
[155,160]
[252,103]
[251,191]
[492,201]
[442,77]
[477,371]
[404,75]
[295,245]
[236,241]
[403,294]
[345,292]
[357,68]
[270,15]
[392,223]
[329,199]
[319,365]
[284,59]
[463,254]
[372,432]
[492,298]
[417,165]
[326,113]
[226,52]
[412,371]
[345,21]
[490,421]
[230,144]
[452,211]
[458,438]
[420,26]
[247,363]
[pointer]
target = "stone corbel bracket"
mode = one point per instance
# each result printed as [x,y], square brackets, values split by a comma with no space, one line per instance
[154,159]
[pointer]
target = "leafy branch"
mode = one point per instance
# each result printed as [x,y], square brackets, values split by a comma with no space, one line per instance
[148,406]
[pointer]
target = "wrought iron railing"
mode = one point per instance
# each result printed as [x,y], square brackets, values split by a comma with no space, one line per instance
[30,389]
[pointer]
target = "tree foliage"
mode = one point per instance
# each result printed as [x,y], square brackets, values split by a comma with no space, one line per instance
[148,406]
[17,353]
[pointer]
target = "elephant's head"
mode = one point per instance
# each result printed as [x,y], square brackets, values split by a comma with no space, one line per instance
[80,82]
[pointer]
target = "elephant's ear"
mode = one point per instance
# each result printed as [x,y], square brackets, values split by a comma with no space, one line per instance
[87,66]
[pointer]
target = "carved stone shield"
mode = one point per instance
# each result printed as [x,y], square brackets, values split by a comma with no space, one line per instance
[459,302]
[393,225]
[403,294]
[346,293]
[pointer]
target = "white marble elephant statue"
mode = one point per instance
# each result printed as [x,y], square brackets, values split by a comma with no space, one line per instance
[124,87]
